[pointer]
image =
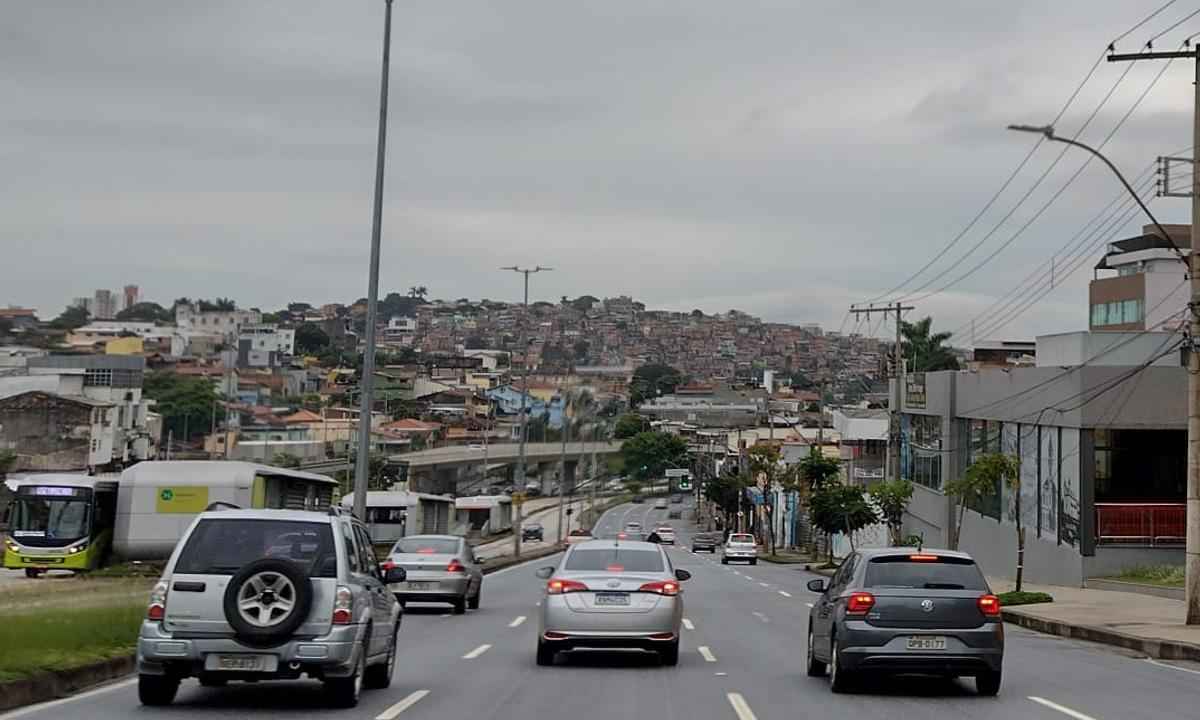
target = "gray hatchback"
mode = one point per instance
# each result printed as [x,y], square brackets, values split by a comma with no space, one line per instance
[906,611]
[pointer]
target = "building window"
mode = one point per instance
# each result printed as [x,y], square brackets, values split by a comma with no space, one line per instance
[922,461]
[1128,270]
[98,378]
[1118,312]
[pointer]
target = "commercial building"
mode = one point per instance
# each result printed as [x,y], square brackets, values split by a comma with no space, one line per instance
[1140,283]
[228,323]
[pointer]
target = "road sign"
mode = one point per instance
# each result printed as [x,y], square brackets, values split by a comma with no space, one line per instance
[678,472]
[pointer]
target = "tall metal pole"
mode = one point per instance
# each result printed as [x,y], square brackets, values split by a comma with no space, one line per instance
[896,472]
[562,471]
[524,340]
[367,383]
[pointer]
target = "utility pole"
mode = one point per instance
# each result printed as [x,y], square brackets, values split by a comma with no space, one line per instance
[893,472]
[562,470]
[524,340]
[366,385]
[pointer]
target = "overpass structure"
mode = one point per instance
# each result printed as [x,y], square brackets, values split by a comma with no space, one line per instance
[458,469]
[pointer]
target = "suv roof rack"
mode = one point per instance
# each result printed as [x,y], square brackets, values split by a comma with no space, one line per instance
[221,505]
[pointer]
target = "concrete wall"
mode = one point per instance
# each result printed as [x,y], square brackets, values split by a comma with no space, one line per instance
[994,547]
[927,516]
[1098,349]
[1109,561]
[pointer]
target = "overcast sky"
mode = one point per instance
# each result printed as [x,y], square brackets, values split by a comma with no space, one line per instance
[780,157]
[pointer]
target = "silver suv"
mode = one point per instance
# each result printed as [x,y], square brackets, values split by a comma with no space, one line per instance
[271,594]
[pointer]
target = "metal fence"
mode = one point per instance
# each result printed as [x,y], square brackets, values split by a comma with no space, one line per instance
[1149,524]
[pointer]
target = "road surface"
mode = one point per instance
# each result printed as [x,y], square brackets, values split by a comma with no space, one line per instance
[742,658]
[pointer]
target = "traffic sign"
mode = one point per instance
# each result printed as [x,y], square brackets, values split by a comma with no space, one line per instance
[678,472]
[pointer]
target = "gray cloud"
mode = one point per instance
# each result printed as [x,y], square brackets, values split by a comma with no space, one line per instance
[779,157]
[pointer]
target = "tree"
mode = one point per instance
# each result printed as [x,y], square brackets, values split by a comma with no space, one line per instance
[633,486]
[648,454]
[800,381]
[146,312]
[418,292]
[310,339]
[285,460]
[380,475]
[650,380]
[71,318]
[6,327]
[924,349]
[980,481]
[698,313]
[584,303]
[841,508]
[628,425]
[892,497]
[986,475]
[185,403]
[8,459]
[817,470]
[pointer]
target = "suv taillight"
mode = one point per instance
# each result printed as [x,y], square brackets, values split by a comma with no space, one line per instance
[157,609]
[989,605]
[560,587]
[859,603]
[455,566]
[343,606]
[669,588]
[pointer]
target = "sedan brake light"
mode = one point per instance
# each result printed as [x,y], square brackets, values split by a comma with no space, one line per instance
[558,586]
[989,605]
[669,588]
[923,558]
[859,603]
[455,566]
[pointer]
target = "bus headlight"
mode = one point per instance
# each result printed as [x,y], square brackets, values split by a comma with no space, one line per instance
[11,545]
[77,548]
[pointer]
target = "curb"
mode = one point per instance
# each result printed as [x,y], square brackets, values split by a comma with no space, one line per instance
[815,568]
[1171,593]
[55,684]
[776,561]
[1155,648]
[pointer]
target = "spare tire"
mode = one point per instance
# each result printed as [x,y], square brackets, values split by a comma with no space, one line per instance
[267,599]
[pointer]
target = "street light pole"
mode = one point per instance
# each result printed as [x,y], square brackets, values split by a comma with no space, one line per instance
[524,398]
[367,382]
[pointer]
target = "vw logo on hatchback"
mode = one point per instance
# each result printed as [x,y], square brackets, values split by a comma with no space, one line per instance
[927,605]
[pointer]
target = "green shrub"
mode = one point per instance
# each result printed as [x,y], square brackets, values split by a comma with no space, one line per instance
[1010,599]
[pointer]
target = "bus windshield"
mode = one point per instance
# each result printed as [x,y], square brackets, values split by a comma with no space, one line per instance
[46,521]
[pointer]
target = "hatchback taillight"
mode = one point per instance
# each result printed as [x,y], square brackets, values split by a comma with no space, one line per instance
[455,566]
[343,606]
[157,609]
[558,586]
[669,588]
[989,605]
[859,603]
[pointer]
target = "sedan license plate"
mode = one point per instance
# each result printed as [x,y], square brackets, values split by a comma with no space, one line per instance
[420,585]
[612,598]
[241,662]
[927,642]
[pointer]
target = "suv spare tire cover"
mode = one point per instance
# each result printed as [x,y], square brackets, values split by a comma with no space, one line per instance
[272,582]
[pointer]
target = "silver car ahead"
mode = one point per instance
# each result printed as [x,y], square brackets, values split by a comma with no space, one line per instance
[899,610]
[440,569]
[740,547]
[612,594]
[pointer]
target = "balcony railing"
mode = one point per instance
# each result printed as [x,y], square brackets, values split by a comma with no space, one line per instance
[1150,524]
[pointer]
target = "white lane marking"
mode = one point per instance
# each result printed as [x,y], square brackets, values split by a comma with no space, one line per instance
[1061,708]
[688,624]
[403,705]
[477,652]
[785,593]
[520,619]
[706,654]
[74,698]
[764,584]
[720,674]
[446,615]
[760,616]
[1152,661]
[539,604]
[740,706]
[808,604]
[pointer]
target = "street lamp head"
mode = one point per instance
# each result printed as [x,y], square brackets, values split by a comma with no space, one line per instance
[1047,130]
[511,267]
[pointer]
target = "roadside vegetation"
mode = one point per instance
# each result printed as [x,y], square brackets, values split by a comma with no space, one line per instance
[1019,597]
[1164,575]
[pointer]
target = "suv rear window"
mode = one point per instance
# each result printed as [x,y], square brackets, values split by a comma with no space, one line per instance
[426,546]
[945,573]
[615,560]
[222,547]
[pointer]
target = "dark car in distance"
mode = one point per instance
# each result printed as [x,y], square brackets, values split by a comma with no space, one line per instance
[533,531]
[906,611]
[706,542]
[638,499]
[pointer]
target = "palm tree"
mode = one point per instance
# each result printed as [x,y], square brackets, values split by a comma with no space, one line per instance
[925,349]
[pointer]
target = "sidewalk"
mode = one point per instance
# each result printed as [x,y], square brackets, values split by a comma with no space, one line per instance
[1146,624]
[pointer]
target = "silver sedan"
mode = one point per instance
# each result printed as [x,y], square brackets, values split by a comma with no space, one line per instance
[612,594]
[440,569]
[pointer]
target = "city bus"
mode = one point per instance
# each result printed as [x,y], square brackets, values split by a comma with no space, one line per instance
[62,522]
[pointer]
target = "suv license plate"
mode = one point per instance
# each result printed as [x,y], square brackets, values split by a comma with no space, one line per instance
[241,662]
[927,642]
[612,598]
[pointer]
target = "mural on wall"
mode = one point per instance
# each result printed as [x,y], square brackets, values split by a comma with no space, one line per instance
[1068,509]
[1008,446]
[1048,487]
[1029,477]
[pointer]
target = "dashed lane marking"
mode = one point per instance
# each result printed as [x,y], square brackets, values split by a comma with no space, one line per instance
[706,654]
[740,706]
[517,621]
[477,652]
[1061,708]
[403,705]
[785,593]
[688,624]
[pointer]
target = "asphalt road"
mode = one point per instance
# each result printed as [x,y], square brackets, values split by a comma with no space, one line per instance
[742,658]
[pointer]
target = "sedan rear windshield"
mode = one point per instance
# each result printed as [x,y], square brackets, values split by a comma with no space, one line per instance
[427,546]
[222,547]
[944,573]
[615,560]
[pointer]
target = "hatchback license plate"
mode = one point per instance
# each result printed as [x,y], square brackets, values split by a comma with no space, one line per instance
[927,642]
[241,662]
[612,598]
[420,585]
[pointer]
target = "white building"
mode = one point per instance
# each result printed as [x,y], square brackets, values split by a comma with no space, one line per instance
[269,338]
[228,323]
[1149,290]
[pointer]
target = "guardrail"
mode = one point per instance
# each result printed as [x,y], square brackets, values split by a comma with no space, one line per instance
[1151,524]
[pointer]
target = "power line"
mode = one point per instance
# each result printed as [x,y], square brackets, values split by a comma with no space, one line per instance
[1189,16]
[1144,20]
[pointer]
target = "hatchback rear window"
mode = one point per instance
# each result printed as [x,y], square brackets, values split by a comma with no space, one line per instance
[615,560]
[942,573]
[740,539]
[427,546]
[223,546]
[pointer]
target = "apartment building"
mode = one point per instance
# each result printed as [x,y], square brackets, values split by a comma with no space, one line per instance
[228,323]
[1140,282]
